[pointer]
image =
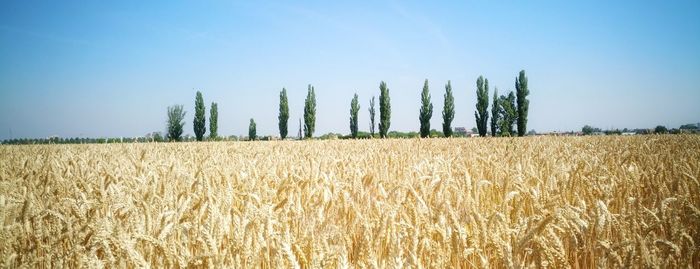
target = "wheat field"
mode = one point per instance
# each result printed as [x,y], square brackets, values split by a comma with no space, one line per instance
[560,202]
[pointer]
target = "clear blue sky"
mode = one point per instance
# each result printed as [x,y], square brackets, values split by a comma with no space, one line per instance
[98,69]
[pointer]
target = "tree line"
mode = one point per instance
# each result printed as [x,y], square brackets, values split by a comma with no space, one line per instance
[508,117]
[507,111]
[659,129]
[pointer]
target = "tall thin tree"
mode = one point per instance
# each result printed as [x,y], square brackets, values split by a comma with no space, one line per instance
[426,111]
[299,134]
[354,109]
[523,103]
[384,110]
[482,105]
[199,120]
[213,120]
[495,112]
[448,111]
[310,113]
[371,116]
[252,131]
[283,114]
[509,114]
[175,123]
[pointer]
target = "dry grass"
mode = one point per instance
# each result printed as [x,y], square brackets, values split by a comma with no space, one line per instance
[535,202]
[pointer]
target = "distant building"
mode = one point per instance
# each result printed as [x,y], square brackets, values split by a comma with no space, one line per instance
[629,133]
[461,131]
[552,133]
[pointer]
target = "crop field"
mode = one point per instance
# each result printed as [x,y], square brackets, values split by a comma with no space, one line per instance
[576,202]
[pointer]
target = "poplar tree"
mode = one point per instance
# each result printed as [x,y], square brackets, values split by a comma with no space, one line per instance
[283,114]
[199,120]
[252,132]
[523,103]
[482,105]
[354,109]
[299,134]
[310,113]
[495,112]
[448,111]
[372,112]
[213,120]
[426,111]
[509,114]
[384,110]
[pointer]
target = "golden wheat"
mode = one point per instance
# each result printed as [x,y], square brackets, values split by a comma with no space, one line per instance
[562,202]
